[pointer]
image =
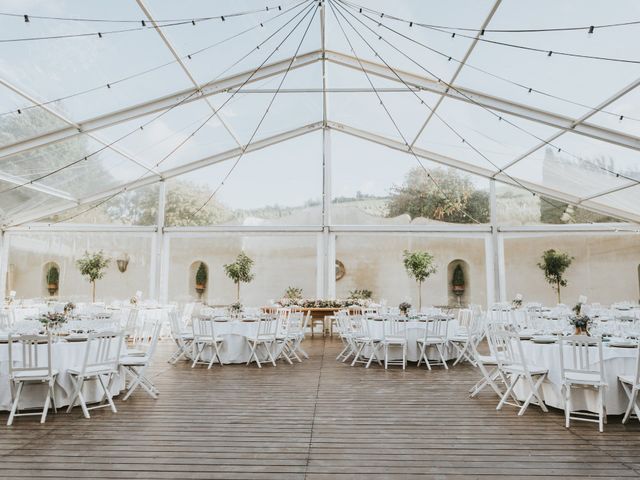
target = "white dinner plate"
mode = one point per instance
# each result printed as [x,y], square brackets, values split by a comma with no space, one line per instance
[544,339]
[619,344]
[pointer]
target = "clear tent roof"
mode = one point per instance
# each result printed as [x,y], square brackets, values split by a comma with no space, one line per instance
[100,98]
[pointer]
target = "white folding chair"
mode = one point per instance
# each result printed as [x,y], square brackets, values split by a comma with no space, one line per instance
[101,360]
[34,367]
[468,333]
[204,335]
[182,337]
[435,334]
[631,386]
[297,334]
[513,365]
[487,364]
[582,368]
[5,321]
[131,324]
[290,336]
[264,337]
[363,342]
[136,366]
[395,335]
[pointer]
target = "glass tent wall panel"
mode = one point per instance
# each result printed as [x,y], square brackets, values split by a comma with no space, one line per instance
[278,185]
[73,166]
[29,252]
[287,112]
[217,46]
[587,82]
[31,120]
[627,107]
[137,207]
[280,261]
[492,137]
[466,12]
[15,202]
[375,185]
[57,68]
[171,138]
[581,177]
[516,206]
[374,262]
[605,267]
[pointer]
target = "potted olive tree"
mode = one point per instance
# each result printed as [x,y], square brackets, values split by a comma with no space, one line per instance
[92,266]
[553,265]
[240,271]
[457,282]
[53,279]
[419,265]
[201,279]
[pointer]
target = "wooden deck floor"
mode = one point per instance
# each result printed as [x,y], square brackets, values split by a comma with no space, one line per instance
[319,419]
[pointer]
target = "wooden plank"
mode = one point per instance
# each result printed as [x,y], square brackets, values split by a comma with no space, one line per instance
[314,420]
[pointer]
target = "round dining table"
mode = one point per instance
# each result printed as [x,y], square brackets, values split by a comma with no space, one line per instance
[617,361]
[234,348]
[415,331]
[65,355]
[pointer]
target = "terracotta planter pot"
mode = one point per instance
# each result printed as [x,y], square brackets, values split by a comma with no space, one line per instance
[53,288]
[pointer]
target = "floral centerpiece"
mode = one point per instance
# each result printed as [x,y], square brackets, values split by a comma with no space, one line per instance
[69,308]
[52,321]
[580,321]
[581,324]
[404,307]
[361,297]
[517,301]
[235,309]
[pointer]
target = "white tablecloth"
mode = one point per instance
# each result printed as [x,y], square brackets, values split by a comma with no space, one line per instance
[235,348]
[617,361]
[65,355]
[415,330]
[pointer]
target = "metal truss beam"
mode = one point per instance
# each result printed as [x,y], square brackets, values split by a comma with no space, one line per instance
[174,172]
[423,83]
[578,126]
[489,101]
[467,54]
[163,103]
[184,68]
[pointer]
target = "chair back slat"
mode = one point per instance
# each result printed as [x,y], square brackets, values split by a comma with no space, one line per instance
[585,355]
[30,360]
[102,351]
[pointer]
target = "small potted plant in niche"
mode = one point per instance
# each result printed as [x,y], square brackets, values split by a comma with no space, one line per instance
[93,266]
[53,279]
[201,279]
[457,282]
[553,265]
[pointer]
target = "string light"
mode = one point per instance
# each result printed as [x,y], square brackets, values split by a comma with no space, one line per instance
[438,116]
[152,69]
[471,99]
[180,102]
[447,30]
